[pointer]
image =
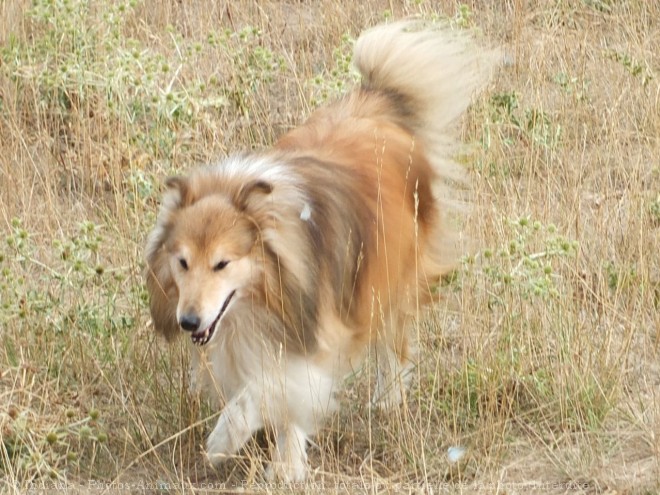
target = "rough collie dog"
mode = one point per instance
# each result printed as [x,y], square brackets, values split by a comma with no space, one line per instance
[285,268]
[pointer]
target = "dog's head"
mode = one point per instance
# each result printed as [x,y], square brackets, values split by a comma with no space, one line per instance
[199,255]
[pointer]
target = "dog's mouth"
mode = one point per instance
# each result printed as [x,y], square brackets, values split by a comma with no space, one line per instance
[204,336]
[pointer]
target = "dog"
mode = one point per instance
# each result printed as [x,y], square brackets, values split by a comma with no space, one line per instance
[286,268]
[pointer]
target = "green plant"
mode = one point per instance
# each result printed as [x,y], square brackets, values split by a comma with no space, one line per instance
[463,17]
[619,277]
[83,65]
[604,6]
[253,65]
[572,85]
[654,210]
[333,81]
[524,366]
[528,264]
[49,448]
[535,125]
[635,67]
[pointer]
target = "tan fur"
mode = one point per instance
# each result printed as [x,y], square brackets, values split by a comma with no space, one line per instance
[333,238]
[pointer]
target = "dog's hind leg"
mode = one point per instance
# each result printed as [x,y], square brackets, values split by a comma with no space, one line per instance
[394,370]
[393,378]
[240,418]
[289,455]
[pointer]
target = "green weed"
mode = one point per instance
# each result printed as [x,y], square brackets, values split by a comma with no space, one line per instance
[636,68]
[333,82]
[528,264]
[35,447]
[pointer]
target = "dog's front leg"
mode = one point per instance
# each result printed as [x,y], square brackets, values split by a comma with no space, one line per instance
[240,418]
[289,455]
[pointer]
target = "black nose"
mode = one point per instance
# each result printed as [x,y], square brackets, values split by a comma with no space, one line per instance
[190,322]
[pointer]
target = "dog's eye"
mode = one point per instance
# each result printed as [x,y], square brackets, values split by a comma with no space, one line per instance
[219,266]
[183,263]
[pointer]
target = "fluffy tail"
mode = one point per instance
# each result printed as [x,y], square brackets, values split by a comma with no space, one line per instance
[431,73]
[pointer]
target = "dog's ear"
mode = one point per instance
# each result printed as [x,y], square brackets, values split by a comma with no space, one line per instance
[248,190]
[163,293]
[179,191]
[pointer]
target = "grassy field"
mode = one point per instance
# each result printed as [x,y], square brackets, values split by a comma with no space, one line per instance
[541,360]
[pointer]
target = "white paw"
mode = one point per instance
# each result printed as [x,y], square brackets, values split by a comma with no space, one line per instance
[218,446]
[239,419]
[289,456]
[286,472]
[222,443]
[389,398]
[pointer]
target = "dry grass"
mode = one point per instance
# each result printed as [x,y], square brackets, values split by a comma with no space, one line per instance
[542,357]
